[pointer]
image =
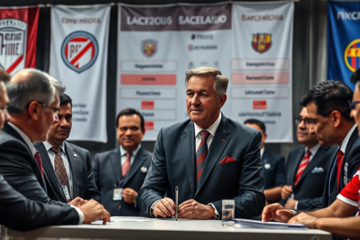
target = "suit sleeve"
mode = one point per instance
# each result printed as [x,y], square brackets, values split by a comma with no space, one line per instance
[251,199]
[91,189]
[22,214]
[309,204]
[16,169]
[280,173]
[155,183]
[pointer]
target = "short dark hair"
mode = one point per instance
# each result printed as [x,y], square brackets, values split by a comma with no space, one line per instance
[355,77]
[130,111]
[65,99]
[4,75]
[329,96]
[260,124]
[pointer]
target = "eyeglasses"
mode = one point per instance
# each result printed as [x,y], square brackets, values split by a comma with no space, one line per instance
[298,120]
[56,111]
[352,104]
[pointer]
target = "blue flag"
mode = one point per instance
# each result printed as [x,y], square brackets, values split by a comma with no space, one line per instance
[343,40]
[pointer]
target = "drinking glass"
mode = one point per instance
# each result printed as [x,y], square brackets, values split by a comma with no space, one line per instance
[228,212]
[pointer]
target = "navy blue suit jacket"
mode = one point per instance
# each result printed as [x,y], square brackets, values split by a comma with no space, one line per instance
[274,170]
[107,172]
[174,164]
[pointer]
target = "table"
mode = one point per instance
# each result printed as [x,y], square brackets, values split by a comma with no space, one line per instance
[163,229]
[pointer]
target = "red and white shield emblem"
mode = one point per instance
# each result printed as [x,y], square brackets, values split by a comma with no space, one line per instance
[149,47]
[261,42]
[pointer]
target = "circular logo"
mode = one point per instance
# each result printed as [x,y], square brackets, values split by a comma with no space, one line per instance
[79,51]
[352,55]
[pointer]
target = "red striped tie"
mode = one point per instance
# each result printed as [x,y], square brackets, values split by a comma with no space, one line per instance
[302,166]
[201,154]
[39,163]
[126,165]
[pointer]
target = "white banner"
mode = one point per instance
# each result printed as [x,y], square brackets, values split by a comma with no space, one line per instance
[156,46]
[78,58]
[261,66]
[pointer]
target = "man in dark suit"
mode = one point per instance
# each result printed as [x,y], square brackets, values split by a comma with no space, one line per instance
[301,191]
[33,106]
[120,172]
[273,165]
[20,213]
[209,157]
[56,153]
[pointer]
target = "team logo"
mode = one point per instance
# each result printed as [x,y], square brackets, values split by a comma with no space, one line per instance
[149,47]
[79,51]
[12,44]
[261,42]
[352,55]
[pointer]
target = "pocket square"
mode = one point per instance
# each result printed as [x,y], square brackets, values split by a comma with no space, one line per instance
[317,170]
[227,160]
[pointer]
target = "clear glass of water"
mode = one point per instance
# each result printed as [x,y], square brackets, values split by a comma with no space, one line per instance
[228,212]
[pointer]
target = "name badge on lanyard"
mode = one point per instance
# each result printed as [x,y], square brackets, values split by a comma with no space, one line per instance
[117,193]
[66,192]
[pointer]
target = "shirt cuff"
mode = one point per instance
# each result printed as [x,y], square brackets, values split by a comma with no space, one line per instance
[217,215]
[296,205]
[152,208]
[81,214]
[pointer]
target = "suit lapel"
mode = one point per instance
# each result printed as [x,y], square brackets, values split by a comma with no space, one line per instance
[221,139]
[74,163]
[135,166]
[297,159]
[49,170]
[188,150]
[116,165]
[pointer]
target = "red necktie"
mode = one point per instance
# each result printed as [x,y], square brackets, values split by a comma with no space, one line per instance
[302,166]
[126,165]
[39,163]
[60,169]
[201,154]
[339,159]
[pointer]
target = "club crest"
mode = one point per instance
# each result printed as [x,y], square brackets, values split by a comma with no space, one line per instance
[149,47]
[79,51]
[261,42]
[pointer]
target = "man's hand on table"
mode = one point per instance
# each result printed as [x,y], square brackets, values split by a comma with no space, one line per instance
[305,219]
[277,212]
[191,209]
[164,208]
[94,211]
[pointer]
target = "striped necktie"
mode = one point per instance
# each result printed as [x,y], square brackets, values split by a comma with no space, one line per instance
[201,154]
[302,166]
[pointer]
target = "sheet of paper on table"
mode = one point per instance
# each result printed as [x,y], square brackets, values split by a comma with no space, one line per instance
[122,219]
[246,223]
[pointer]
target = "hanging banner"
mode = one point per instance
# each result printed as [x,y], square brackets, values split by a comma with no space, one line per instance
[343,46]
[156,46]
[78,58]
[18,35]
[261,66]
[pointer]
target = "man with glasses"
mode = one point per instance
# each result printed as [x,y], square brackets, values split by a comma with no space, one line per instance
[119,173]
[33,107]
[68,166]
[331,118]
[306,169]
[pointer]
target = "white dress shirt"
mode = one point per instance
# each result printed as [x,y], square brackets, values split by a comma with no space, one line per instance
[132,157]
[347,138]
[212,130]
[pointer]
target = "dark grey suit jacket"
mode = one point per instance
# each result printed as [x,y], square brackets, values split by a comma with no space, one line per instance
[80,164]
[19,168]
[107,172]
[22,214]
[174,164]
[310,187]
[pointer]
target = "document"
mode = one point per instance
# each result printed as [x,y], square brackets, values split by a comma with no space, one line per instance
[127,219]
[246,223]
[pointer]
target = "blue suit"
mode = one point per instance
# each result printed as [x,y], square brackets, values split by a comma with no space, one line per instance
[274,170]
[174,164]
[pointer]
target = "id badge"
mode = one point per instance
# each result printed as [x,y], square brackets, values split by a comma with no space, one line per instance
[66,192]
[117,194]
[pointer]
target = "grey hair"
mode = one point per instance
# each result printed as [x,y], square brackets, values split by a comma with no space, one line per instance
[220,83]
[34,85]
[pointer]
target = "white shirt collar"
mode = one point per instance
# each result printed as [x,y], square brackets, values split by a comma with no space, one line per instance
[133,153]
[212,129]
[313,150]
[24,137]
[48,146]
[347,138]
[262,150]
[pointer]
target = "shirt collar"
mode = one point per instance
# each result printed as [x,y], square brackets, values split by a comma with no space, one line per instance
[212,129]
[24,137]
[133,153]
[48,146]
[313,150]
[262,150]
[347,138]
